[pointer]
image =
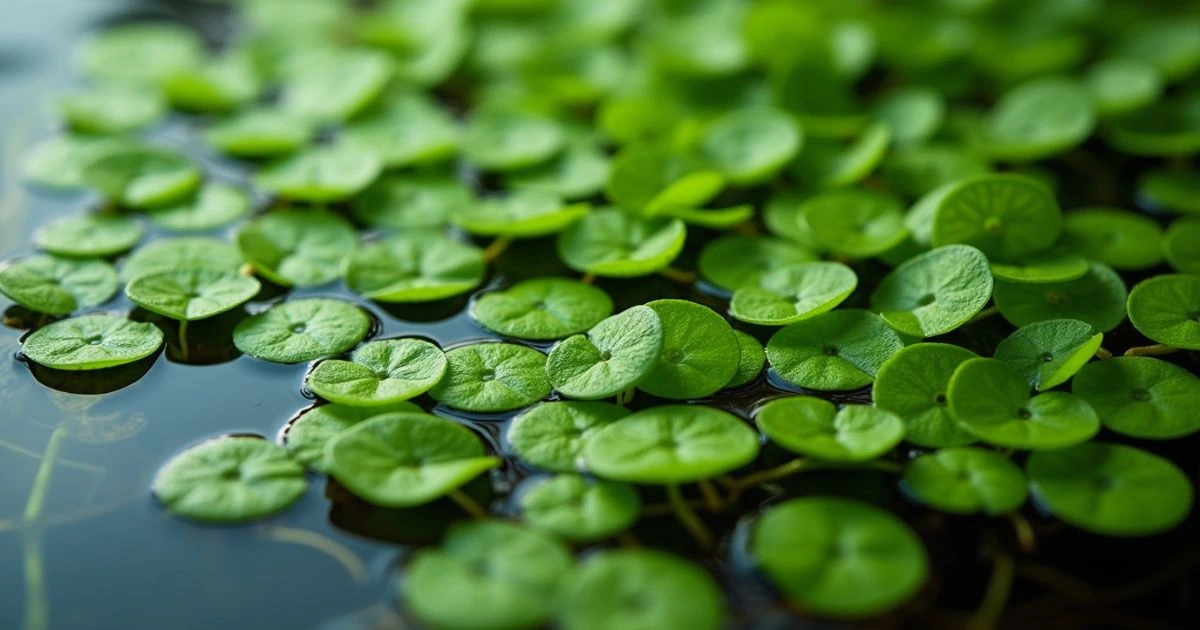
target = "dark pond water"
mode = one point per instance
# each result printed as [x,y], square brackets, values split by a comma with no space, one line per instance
[106,557]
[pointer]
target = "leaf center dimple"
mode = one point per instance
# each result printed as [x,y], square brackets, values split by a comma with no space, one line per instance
[1046,357]
[487,375]
[829,351]
[940,399]
[927,299]
[993,226]
[1140,395]
[1024,414]
[298,328]
[674,355]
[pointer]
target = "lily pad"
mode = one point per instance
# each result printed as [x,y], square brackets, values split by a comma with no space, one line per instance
[750,146]
[615,355]
[613,243]
[1166,309]
[838,557]
[502,140]
[380,373]
[700,353]
[1141,397]
[89,235]
[214,205]
[142,51]
[670,444]
[112,109]
[141,177]
[1037,119]
[991,401]
[511,572]
[230,480]
[335,85]
[1048,353]
[405,129]
[580,510]
[1006,216]
[794,293]
[176,254]
[57,286]
[913,383]
[404,201]
[297,247]
[1110,489]
[933,293]
[1119,239]
[649,180]
[302,330]
[91,342]
[815,427]
[259,133]
[519,214]
[751,361]
[406,459]
[733,262]
[551,435]
[191,294]
[305,437]
[638,588]
[320,174]
[543,309]
[834,351]
[1181,247]
[492,377]
[415,266]
[855,223]
[1097,298]
[966,480]
[58,161]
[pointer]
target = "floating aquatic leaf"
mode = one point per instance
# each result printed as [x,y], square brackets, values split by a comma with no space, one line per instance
[1120,85]
[933,293]
[57,286]
[543,308]
[670,444]
[512,573]
[415,266]
[915,171]
[214,205]
[912,384]
[855,223]
[1166,309]
[58,161]
[839,558]
[141,176]
[405,129]
[221,85]
[783,217]
[649,180]
[734,262]
[502,140]
[966,480]
[411,201]
[638,588]
[89,235]
[111,109]
[302,330]
[750,146]
[492,377]
[406,459]
[1116,238]
[190,294]
[305,437]
[264,132]
[380,373]
[751,361]
[175,254]
[991,401]
[1006,216]
[230,480]
[579,172]
[334,85]
[700,353]
[826,163]
[1037,119]
[1110,489]
[551,435]
[1181,247]
[91,342]
[1168,127]
[610,242]
[580,510]
[320,174]
[143,51]
[794,293]
[1097,298]
[913,114]
[1048,353]
[614,356]
[1171,44]
[519,214]
[815,427]
[1141,397]
[1172,190]
[297,247]
[838,350]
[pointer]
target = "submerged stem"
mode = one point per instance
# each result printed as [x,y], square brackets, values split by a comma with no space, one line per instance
[183,343]
[588,278]
[996,597]
[1026,537]
[41,483]
[496,248]
[1104,354]
[468,504]
[712,499]
[339,552]
[675,274]
[688,518]
[37,606]
[771,474]
[1156,350]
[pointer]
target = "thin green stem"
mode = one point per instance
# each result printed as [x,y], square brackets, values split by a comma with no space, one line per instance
[37,605]
[41,483]
[468,504]
[625,397]
[1156,350]
[496,248]
[677,275]
[1026,537]
[772,474]
[712,499]
[341,554]
[183,341]
[1104,354]
[688,518]
[588,278]
[995,599]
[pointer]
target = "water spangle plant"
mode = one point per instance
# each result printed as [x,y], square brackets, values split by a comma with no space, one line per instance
[1006,216]
[818,428]
[320,174]
[734,262]
[213,206]
[614,356]
[138,176]
[1098,298]
[1048,353]
[836,351]
[855,223]
[302,330]
[415,266]
[551,435]
[89,236]
[57,286]
[306,436]
[543,309]
[579,509]
[794,293]
[966,480]
[297,247]
[404,201]
[379,373]
[91,342]
[700,353]
[750,362]
[492,377]
[179,254]
[1141,396]
[913,383]
[191,294]
[933,293]
[1166,309]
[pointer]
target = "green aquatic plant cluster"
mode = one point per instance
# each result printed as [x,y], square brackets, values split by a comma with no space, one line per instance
[879,203]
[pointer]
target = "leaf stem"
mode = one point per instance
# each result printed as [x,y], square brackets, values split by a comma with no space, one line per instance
[712,499]
[627,539]
[37,607]
[1104,354]
[996,597]
[772,474]
[984,314]
[688,518]
[1156,350]
[183,341]
[339,552]
[468,504]
[588,278]
[496,248]
[1026,537]
[41,483]
[675,274]
[626,397]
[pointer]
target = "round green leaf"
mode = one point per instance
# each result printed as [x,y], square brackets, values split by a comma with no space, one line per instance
[991,401]
[519,214]
[1097,298]
[933,293]
[1168,127]
[815,427]
[1037,119]
[551,435]
[141,176]
[91,342]
[258,133]
[834,351]
[57,286]
[671,444]
[1173,190]
[190,294]
[1110,489]
[578,173]
[111,109]
[827,163]
[301,248]
[502,140]
[305,437]
[221,85]
[750,146]
[320,174]
[1166,309]
[1181,247]
[913,383]
[214,205]
[855,223]
[1171,44]
[700,353]
[177,254]
[794,293]
[140,51]
[1042,268]
[733,262]
[750,362]
[1120,85]
[58,161]
[380,373]
[543,309]
[406,129]
[1006,216]
[615,355]
[638,588]
[839,558]
[1048,353]
[89,235]
[334,85]
[411,201]
[230,480]
[406,459]
[1119,239]
[912,113]
[580,510]
[415,266]
[1141,397]
[302,330]
[492,377]
[613,243]
[915,171]
[966,480]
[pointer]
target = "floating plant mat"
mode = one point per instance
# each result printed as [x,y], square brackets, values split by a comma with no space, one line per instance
[626,314]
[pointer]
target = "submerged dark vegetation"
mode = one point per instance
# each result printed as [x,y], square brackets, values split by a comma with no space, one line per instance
[781,310]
